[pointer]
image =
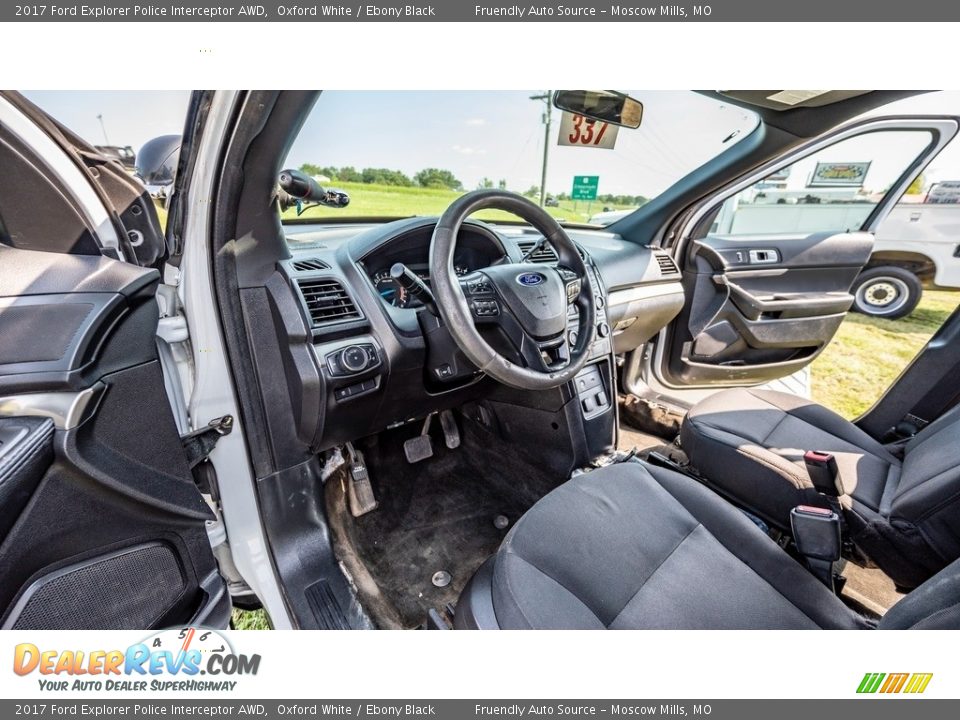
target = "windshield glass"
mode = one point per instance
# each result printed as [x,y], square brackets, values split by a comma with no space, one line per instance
[399,154]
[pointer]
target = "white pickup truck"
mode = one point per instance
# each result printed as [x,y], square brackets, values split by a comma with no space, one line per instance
[917,244]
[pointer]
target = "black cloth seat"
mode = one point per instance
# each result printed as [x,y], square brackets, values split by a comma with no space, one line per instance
[902,507]
[633,546]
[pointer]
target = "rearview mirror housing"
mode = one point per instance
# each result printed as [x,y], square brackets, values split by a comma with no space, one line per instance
[604,105]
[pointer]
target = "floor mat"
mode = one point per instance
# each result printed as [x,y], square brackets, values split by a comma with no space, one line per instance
[437,515]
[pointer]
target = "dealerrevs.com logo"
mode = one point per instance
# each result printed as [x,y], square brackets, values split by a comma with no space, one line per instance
[187,659]
[890,683]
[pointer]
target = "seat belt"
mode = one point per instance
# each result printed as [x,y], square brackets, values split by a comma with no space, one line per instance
[824,472]
[928,409]
[816,532]
[825,475]
[199,443]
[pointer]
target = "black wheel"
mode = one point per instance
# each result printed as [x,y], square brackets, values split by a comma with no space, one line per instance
[888,292]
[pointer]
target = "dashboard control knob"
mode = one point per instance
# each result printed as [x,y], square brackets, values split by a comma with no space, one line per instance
[603,330]
[354,358]
[572,337]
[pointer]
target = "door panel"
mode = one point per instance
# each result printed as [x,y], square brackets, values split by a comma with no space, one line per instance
[26,451]
[101,523]
[768,266]
[763,307]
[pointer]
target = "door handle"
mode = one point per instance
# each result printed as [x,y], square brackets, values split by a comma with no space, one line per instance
[764,257]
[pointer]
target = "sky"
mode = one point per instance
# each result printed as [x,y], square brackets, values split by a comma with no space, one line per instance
[476,135]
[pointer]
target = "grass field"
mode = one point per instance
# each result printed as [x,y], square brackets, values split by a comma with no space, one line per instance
[390,201]
[866,355]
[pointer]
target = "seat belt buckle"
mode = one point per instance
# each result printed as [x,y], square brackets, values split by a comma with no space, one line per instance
[816,533]
[824,472]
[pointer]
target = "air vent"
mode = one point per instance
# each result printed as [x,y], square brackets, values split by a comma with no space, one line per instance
[310,264]
[667,265]
[327,302]
[545,254]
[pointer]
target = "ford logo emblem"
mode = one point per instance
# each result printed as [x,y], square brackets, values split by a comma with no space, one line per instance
[530,279]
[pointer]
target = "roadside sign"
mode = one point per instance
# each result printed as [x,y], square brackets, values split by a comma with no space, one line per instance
[579,131]
[833,174]
[585,187]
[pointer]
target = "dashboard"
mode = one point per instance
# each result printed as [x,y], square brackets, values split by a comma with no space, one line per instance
[375,358]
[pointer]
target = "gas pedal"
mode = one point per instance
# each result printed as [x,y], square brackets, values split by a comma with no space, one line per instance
[451,434]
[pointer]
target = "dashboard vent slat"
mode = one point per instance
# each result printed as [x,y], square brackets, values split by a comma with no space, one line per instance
[327,302]
[667,265]
[310,264]
[546,254]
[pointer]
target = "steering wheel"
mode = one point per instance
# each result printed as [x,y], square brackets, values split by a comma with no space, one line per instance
[529,302]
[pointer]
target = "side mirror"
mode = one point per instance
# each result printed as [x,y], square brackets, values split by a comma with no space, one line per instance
[156,164]
[605,105]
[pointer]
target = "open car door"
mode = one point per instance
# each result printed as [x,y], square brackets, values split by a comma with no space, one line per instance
[101,522]
[769,263]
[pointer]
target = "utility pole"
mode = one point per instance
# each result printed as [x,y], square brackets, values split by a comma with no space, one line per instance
[547,108]
[104,128]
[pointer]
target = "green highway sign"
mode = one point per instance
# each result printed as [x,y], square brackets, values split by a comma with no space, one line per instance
[585,187]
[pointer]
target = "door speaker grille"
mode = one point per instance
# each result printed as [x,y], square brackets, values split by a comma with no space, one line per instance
[130,589]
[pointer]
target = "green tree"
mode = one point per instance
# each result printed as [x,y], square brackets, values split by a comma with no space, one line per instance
[385,176]
[437,178]
[349,174]
[311,169]
[916,187]
[502,184]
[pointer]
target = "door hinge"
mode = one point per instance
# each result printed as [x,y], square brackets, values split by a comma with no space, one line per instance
[199,443]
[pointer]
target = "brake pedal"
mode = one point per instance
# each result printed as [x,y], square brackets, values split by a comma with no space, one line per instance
[420,447]
[359,490]
[451,433]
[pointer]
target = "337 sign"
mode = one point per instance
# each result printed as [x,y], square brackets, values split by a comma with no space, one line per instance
[579,131]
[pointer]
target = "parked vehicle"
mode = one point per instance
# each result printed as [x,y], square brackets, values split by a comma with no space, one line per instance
[917,245]
[121,153]
[363,421]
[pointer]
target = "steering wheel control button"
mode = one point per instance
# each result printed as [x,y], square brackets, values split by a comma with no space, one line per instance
[479,287]
[486,308]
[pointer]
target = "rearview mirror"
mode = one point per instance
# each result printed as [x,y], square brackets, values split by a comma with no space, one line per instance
[605,105]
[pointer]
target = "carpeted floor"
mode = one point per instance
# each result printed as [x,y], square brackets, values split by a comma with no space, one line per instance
[435,515]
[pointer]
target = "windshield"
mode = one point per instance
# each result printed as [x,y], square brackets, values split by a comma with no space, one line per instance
[399,154]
